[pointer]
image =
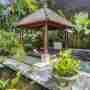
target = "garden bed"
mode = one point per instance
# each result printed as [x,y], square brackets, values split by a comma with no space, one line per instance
[7,74]
[23,84]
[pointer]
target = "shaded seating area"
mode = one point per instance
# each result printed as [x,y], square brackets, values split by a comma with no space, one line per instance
[46,19]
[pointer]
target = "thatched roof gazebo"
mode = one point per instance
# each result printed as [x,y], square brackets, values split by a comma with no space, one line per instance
[46,18]
[42,17]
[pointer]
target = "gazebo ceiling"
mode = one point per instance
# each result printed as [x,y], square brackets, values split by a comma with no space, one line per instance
[42,16]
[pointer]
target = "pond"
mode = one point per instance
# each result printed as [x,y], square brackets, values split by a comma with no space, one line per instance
[85,66]
[84,56]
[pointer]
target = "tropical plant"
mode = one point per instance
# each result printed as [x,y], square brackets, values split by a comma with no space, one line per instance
[10,14]
[16,11]
[15,81]
[3,84]
[66,65]
[10,45]
[10,84]
[32,40]
[31,5]
[7,41]
[82,31]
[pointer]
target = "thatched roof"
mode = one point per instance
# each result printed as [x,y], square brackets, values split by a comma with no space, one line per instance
[42,16]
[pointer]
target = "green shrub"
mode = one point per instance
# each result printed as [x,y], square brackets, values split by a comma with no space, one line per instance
[33,40]
[66,65]
[7,41]
[3,84]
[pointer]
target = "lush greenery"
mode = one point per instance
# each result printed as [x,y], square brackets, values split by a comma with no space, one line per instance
[3,84]
[7,41]
[9,44]
[81,34]
[13,81]
[9,15]
[66,65]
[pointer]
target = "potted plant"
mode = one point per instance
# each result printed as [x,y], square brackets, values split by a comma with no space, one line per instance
[66,69]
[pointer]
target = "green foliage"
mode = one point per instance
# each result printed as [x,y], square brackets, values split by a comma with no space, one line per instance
[3,84]
[10,84]
[81,34]
[31,4]
[10,44]
[66,65]
[7,40]
[33,40]
[81,22]
[16,11]
[19,52]
[15,81]
[23,7]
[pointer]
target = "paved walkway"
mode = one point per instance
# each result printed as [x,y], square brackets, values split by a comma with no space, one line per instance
[43,77]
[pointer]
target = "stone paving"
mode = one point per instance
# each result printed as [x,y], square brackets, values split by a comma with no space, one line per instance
[82,84]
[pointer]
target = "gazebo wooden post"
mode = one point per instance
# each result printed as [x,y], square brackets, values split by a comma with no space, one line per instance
[66,39]
[46,39]
[45,30]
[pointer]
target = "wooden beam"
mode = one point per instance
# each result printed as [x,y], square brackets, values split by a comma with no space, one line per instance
[45,38]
